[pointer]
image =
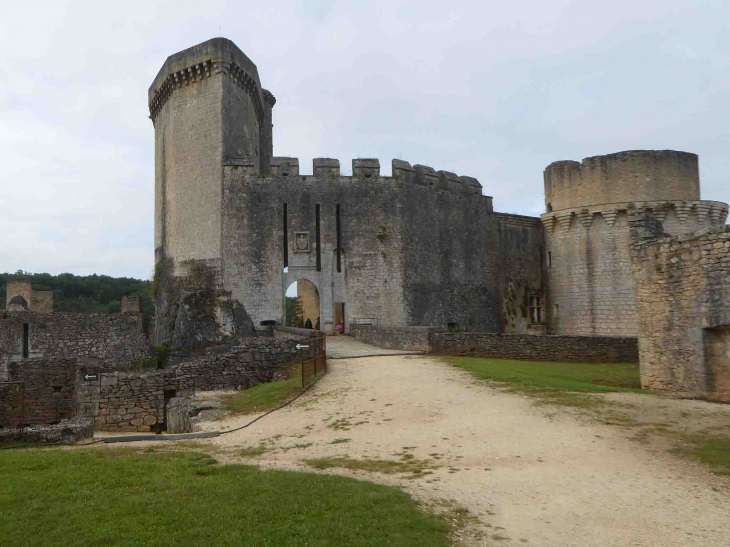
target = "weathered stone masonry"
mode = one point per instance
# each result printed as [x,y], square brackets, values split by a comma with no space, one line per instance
[583,349]
[588,260]
[126,401]
[683,305]
[116,340]
[421,247]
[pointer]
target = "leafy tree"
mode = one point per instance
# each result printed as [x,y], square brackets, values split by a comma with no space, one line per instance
[291,309]
[84,294]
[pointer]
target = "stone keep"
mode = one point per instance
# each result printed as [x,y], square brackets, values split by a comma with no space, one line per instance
[589,274]
[420,247]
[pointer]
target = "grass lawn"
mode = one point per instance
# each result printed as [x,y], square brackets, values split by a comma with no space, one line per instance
[267,396]
[538,376]
[127,497]
[568,384]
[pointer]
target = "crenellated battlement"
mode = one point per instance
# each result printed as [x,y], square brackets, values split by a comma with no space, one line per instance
[713,211]
[367,170]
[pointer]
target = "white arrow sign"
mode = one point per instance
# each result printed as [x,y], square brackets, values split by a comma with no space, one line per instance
[89,377]
[299,346]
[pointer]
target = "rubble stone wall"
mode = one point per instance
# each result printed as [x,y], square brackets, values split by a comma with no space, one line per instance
[47,393]
[581,349]
[683,305]
[116,339]
[125,401]
[391,337]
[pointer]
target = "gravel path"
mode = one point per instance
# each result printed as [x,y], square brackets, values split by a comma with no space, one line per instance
[536,475]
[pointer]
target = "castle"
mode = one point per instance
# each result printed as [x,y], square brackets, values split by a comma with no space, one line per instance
[626,250]
[421,247]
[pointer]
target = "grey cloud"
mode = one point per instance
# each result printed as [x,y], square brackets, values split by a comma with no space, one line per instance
[488,89]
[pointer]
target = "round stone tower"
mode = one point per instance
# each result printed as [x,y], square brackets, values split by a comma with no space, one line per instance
[590,284]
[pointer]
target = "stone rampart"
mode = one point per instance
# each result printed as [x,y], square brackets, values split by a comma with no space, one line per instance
[683,305]
[581,349]
[392,337]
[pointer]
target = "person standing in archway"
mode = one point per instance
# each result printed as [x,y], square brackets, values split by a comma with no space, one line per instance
[316,327]
[308,324]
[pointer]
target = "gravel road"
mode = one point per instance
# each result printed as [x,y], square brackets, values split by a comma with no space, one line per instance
[534,475]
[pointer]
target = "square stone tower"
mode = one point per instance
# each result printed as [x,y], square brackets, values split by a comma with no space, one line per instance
[208,110]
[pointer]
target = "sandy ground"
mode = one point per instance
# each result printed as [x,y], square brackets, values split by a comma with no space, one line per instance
[534,475]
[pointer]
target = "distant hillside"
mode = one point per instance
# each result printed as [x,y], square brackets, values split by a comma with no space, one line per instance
[85,294]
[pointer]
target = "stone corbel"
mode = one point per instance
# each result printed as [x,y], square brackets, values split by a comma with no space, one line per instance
[682,210]
[610,216]
[586,218]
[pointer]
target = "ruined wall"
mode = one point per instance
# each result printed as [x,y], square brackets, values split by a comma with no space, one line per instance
[47,392]
[587,260]
[579,349]
[11,404]
[120,401]
[117,340]
[683,305]
[21,297]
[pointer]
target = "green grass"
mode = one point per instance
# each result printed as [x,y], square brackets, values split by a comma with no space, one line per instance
[408,465]
[123,497]
[266,396]
[714,453]
[548,376]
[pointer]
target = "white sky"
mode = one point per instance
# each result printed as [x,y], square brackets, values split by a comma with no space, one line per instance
[495,90]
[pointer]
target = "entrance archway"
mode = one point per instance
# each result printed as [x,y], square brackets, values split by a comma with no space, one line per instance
[307,306]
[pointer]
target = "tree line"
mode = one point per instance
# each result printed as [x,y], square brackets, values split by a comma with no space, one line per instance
[84,293]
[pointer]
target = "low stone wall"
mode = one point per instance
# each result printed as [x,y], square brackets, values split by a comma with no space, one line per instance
[124,401]
[585,349]
[390,337]
[66,432]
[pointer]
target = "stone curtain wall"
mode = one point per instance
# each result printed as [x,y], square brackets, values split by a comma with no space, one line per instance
[391,337]
[581,349]
[457,258]
[115,339]
[136,401]
[47,394]
[683,305]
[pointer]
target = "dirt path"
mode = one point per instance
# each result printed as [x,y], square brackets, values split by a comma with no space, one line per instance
[535,475]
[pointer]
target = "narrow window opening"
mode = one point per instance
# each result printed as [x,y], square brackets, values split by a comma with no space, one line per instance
[550,259]
[317,238]
[536,309]
[286,237]
[26,333]
[339,241]
[556,311]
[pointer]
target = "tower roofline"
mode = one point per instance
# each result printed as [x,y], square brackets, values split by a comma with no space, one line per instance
[220,49]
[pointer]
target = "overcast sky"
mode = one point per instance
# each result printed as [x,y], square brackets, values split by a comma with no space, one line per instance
[494,90]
